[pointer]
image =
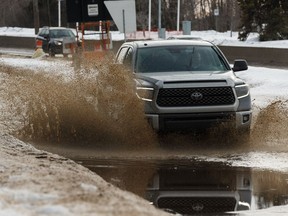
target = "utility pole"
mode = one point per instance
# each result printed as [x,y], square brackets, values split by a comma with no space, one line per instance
[36,16]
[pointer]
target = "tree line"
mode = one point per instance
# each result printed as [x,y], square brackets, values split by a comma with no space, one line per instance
[268,17]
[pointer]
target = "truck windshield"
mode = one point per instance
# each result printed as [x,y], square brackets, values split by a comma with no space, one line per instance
[179,58]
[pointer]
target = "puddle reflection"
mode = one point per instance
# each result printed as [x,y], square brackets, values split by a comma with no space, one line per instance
[193,187]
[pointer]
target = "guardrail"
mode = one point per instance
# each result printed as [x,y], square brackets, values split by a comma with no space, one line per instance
[254,55]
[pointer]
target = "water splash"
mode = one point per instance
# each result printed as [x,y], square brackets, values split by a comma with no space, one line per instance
[97,105]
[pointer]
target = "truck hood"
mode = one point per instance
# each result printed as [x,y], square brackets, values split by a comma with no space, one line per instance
[192,76]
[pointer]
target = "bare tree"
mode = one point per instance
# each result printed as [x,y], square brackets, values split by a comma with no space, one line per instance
[199,12]
[11,11]
[36,16]
[142,15]
[49,13]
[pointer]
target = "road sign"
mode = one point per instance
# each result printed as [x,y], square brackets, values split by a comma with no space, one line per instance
[123,14]
[87,11]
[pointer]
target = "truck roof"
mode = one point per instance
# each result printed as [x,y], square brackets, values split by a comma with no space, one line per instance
[180,42]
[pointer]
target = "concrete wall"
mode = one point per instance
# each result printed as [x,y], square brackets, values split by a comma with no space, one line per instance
[253,55]
[17,42]
[257,55]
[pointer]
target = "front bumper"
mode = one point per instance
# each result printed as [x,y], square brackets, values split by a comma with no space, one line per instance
[167,122]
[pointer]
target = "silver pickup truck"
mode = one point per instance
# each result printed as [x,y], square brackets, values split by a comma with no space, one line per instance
[187,84]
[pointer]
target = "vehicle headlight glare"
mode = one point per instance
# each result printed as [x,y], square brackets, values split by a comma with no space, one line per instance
[58,43]
[242,90]
[145,93]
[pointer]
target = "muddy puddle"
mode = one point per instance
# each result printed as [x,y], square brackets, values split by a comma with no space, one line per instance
[193,187]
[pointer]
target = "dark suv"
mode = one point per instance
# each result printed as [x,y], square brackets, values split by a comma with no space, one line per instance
[56,40]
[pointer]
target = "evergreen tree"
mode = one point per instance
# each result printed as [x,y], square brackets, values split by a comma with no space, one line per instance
[267,17]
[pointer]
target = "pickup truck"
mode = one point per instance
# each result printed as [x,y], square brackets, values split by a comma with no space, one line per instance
[187,84]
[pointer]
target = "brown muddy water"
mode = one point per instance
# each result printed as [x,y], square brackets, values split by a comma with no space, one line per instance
[192,187]
[93,117]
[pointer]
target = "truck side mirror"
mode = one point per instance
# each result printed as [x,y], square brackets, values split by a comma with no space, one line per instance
[240,65]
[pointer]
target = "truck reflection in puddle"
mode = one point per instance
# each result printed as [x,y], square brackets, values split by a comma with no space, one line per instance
[190,187]
[200,190]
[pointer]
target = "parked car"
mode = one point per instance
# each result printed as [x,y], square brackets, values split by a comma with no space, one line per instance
[56,40]
[187,84]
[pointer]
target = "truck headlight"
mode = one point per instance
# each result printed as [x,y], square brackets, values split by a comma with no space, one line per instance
[145,93]
[242,90]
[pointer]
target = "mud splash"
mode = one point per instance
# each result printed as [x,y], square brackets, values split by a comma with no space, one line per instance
[270,188]
[98,105]
[271,125]
[269,131]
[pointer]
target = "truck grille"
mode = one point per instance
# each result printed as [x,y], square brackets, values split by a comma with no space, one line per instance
[196,205]
[211,96]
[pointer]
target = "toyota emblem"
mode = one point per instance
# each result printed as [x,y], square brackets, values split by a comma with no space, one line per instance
[196,96]
[197,207]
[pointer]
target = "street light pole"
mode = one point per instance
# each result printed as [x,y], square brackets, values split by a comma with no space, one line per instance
[124,27]
[232,15]
[159,15]
[59,13]
[178,15]
[149,17]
